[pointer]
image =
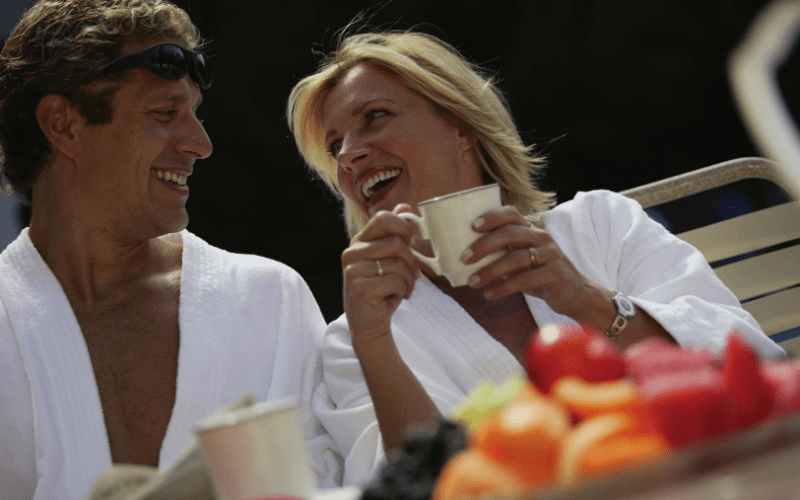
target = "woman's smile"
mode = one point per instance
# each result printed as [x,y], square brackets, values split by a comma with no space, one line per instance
[392,146]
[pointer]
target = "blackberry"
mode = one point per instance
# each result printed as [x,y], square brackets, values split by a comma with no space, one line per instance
[411,474]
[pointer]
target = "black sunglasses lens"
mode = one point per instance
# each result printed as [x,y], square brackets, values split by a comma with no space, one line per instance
[169,61]
[200,72]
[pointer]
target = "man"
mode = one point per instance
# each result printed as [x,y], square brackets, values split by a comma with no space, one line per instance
[119,330]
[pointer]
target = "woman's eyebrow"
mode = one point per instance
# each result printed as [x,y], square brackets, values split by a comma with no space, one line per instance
[358,110]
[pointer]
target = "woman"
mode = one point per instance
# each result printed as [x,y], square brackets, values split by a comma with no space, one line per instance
[392,119]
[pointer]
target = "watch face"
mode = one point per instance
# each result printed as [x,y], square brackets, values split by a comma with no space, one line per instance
[625,306]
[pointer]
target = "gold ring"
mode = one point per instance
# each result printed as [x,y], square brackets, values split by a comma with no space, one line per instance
[379,266]
[534,255]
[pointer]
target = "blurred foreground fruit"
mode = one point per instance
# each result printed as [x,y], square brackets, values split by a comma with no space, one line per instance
[487,398]
[607,441]
[585,400]
[784,379]
[564,350]
[525,437]
[470,474]
[590,409]
[689,406]
[655,356]
[752,394]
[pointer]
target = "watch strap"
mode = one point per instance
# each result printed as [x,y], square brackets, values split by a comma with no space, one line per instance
[625,311]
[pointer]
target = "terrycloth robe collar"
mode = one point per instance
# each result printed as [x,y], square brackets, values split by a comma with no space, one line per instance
[72,447]
[59,370]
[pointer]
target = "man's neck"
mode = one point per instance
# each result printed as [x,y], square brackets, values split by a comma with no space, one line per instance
[94,267]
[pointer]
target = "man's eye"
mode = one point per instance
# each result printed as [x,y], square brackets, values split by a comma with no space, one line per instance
[167,113]
[334,147]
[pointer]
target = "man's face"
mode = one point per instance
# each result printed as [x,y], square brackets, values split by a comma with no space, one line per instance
[134,169]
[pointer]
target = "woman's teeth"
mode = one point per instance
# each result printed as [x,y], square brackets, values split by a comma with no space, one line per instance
[172,177]
[386,175]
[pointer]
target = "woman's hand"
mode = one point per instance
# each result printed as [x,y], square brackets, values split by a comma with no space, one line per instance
[379,271]
[544,272]
[372,293]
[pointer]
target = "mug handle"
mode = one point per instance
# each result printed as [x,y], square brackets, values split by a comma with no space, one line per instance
[432,262]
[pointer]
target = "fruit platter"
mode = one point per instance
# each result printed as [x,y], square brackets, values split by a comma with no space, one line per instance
[587,420]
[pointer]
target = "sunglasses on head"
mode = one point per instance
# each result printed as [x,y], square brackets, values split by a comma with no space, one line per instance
[167,60]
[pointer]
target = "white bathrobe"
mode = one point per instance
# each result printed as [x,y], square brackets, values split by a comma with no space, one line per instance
[611,240]
[247,323]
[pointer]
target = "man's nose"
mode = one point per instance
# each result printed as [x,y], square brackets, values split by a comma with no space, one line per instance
[196,142]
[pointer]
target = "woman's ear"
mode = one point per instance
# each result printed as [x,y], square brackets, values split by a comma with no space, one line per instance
[57,118]
[466,139]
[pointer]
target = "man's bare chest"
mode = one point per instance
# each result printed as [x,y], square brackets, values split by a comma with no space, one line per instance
[134,353]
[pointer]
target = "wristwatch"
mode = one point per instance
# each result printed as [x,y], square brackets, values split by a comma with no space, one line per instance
[625,311]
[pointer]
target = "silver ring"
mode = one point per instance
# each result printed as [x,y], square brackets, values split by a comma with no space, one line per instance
[379,266]
[534,255]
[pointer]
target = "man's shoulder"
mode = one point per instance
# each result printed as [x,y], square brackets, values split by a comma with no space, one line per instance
[234,265]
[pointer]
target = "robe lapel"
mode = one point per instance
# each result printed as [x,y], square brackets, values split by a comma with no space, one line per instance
[70,432]
[201,352]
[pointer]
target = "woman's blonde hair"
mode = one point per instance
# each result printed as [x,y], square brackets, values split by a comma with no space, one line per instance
[461,90]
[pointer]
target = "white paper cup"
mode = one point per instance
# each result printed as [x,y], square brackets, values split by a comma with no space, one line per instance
[257,452]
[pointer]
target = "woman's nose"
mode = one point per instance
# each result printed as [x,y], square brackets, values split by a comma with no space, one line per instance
[352,153]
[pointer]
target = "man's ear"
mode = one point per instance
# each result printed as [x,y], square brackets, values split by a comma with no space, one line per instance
[58,118]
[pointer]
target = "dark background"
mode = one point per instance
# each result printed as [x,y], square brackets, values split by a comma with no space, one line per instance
[617,94]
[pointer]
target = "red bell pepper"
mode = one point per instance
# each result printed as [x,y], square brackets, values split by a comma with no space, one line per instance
[744,380]
[656,356]
[559,350]
[689,406]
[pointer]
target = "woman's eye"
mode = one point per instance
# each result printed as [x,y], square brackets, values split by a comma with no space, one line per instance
[334,147]
[376,113]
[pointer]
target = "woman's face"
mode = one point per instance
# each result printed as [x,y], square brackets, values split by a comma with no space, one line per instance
[391,145]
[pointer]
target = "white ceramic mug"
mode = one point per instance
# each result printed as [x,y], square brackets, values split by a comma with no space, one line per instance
[257,452]
[447,222]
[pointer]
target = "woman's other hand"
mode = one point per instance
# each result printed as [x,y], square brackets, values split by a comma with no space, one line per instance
[379,271]
[544,272]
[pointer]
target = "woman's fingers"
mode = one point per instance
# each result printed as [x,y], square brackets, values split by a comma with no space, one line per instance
[373,293]
[504,228]
[514,262]
[550,275]
[380,277]
[385,235]
[379,270]
[497,217]
[386,223]
[388,247]
[534,263]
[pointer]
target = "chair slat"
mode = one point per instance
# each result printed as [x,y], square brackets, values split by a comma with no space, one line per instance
[747,233]
[757,275]
[791,346]
[763,273]
[777,312]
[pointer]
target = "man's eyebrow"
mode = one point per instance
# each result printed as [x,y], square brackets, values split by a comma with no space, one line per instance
[358,110]
[179,98]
